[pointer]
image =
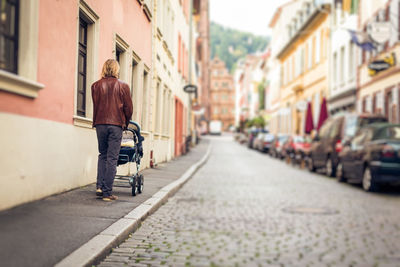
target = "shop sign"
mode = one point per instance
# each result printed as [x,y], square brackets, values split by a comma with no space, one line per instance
[190,88]
[377,66]
[380,32]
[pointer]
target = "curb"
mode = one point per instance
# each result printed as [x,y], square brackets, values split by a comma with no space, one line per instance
[100,245]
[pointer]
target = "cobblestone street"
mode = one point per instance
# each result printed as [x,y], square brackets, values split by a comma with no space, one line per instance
[244,208]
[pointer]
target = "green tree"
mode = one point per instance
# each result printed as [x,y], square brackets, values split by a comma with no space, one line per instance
[231,45]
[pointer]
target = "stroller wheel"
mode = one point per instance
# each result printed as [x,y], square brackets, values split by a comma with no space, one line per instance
[140,185]
[134,187]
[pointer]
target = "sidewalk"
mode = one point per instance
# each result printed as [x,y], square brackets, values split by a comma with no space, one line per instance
[44,232]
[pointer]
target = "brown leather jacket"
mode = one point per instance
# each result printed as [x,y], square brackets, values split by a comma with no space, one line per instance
[112,102]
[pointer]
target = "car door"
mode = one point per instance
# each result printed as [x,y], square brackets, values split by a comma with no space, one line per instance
[319,144]
[355,161]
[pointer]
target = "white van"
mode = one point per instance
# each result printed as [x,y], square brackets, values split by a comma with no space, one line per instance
[215,127]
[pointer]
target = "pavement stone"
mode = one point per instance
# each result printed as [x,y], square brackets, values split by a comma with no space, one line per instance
[43,232]
[243,208]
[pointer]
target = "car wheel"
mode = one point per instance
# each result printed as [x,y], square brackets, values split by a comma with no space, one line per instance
[310,164]
[329,169]
[368,183]
[339,173]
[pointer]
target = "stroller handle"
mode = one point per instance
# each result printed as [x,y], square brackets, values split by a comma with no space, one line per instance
[136,129]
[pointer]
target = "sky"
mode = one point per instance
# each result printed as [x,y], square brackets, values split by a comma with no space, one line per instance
[246,15]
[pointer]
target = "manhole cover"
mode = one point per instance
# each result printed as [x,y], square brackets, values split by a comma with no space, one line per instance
[310,210]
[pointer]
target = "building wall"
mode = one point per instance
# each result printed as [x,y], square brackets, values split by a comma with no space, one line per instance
[343,62]
[222,94]
[304,65]
[278,25]
[46,147]
[379,93]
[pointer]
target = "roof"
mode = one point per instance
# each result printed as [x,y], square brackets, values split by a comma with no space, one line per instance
[278,12]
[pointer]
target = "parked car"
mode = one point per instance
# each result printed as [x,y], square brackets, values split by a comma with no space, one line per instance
[294,147]
[277,144]
[266,142]
[252,137]
[372,157]
[258,140]
[329,141]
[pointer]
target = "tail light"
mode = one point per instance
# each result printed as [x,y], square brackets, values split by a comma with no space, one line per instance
[338,146]
[388,152]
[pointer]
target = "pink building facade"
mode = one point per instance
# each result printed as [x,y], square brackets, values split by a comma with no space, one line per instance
[48,144]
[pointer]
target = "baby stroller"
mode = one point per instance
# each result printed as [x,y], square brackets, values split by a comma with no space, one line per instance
[131,151]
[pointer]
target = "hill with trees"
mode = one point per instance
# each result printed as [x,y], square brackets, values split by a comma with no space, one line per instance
[231,45]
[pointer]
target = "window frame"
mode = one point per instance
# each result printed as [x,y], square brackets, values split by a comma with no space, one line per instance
[84,11]
[13,38]
[24,82]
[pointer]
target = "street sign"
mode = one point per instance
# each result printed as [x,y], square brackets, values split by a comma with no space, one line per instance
[190,88]
[380,31]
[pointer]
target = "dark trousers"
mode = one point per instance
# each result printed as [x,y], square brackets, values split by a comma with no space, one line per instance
[109,140]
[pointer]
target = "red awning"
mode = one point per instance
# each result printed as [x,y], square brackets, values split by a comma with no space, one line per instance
[309,120]
[323,115]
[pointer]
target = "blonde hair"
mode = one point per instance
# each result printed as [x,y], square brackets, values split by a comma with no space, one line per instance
[110,69]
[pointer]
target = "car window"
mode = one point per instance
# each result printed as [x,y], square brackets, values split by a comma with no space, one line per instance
[324,131]
[298,139]
[334,131]
[351,126]
[359,138]
[391,132]
[269,137]
[369,135]
[365,121]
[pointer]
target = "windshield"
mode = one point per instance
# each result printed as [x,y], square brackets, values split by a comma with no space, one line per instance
[269,137]
[298,139]
[353,123]
[283,138]
[391,133]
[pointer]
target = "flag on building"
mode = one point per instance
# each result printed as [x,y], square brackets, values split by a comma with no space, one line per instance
[362,40]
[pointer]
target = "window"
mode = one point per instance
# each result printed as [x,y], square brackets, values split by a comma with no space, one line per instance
[310,54]
[121,55]
[342,66]
[166,111]
[216,112]
[158,102]
[352,65]
[87,71]
[318,48]
[134,88]
[145,100]
[19,38]
[302,61]
[82,68]
[9,11]
[335,72]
